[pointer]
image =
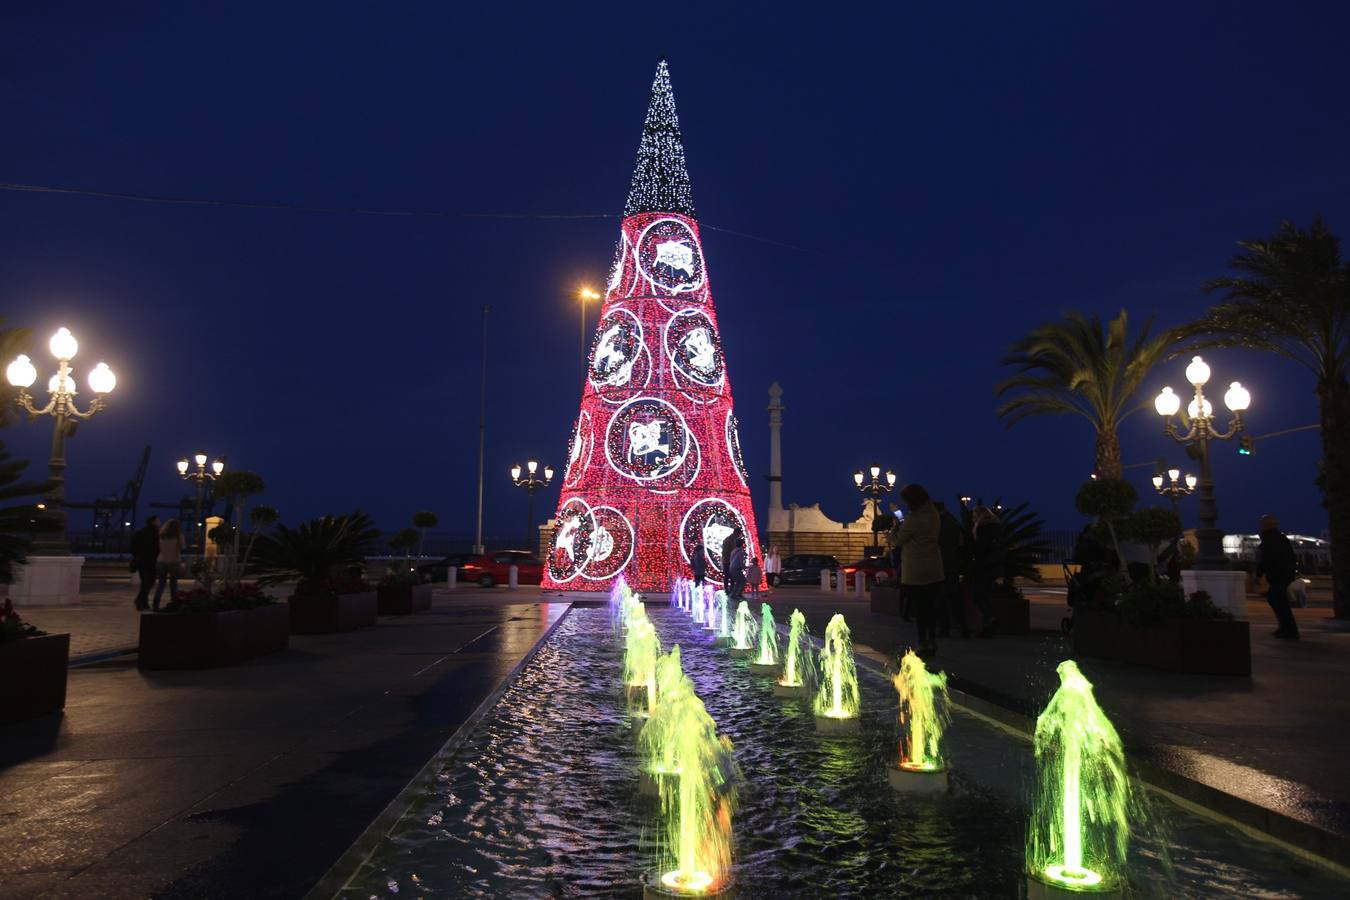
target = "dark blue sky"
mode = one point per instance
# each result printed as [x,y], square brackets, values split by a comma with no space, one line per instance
[955,175]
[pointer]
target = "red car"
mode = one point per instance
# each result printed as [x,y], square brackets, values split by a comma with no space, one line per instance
[492,568]
[872,567]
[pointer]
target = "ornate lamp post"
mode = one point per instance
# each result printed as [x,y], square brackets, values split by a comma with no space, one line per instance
[61,407]
[1174,487]
[874,488]
[531,483]
[1200,432]
[201,476]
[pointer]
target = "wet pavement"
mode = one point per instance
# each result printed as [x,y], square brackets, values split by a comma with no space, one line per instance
[250,780]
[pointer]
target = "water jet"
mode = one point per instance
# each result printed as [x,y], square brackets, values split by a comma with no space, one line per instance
[920,768]
[766,661]
[836,703]
[743,633]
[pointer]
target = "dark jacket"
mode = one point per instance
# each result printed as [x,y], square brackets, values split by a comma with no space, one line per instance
[989,550]
[1275,558]
[699,564]
[949,544]
[144,548]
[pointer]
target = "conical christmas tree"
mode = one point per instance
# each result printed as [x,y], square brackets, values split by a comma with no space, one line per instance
[654,472]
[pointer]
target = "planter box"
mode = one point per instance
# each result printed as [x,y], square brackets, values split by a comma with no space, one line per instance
[33,676]
[210,640]
[339,612]
[404,599]
[886,600]
[1194,646]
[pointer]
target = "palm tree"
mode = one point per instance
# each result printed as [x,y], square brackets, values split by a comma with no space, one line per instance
[1078,365]
[1291,296]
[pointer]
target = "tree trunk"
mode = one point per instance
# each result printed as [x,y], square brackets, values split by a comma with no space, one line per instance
[1334,480]
[1108,454]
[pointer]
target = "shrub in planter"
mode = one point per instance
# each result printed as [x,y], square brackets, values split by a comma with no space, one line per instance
[32,669]
[1156,625]
[401,594]
[324,605]
[325,555]
[214,626]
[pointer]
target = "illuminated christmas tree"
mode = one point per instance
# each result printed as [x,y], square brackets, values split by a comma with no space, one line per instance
[654,472]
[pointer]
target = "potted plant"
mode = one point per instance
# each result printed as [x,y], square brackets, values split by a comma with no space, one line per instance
[1023,546]
[325,557]
[399,592]
[219,623]
[32,662]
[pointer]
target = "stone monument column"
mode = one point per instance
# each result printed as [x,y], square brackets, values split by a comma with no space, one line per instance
[775,450]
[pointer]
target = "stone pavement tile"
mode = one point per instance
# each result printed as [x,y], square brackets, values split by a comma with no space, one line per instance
[23,775]
[31,885]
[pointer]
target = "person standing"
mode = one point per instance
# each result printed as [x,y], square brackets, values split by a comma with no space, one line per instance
[736,571]
[144,554]
[1275,562]
[987,565]
[921,573]
[949,545]
[773,564]
[728,545]
[170,559]
[700,566]
[754,577]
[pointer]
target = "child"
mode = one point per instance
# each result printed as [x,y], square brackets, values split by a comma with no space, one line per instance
[753,576]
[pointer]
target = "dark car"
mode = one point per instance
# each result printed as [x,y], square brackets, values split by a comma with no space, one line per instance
[804,568]
[494,568]
[436,571]
[873,567]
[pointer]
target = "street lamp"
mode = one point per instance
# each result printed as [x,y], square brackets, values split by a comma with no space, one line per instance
[531,482]
[201,476]
[61,406]
[584,294]
[874,488]
[1201,430]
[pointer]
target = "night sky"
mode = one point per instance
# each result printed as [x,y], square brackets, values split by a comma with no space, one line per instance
[888,199]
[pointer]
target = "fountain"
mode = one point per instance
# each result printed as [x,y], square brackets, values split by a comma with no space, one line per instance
[923,708]
[1080,819]
[642,647]
[798,673]
[656,749]
[723,620]
[710,604]
[743,633]
[836,705]
[696,605]
[766,663]
[696,804]
[677,593]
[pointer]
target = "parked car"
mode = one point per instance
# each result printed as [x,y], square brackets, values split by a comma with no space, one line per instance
[492,568]
[436,571]
[804,568]
[873,567]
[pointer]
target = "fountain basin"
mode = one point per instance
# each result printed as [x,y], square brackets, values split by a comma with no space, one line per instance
[760,668]
[917,781]
[789,690]
[722,641]
[1041,889]
[829,725]
[742,652]
[664,887]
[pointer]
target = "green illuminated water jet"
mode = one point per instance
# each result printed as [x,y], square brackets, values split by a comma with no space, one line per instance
[743,632]
[798,672]
[766,661]
[656,744]
[723,617]
[836,705]
[1080,816]
[697,803]
[642,647]
[923,708]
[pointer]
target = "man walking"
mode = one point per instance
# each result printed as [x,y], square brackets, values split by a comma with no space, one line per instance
[1275,561]
[949,544]
[144,555]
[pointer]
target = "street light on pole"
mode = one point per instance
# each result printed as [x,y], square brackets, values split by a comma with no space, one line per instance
[1175,487]
[874,488]
[584,294]
[531,482]
[1200,432]
[61,406]
[201,476]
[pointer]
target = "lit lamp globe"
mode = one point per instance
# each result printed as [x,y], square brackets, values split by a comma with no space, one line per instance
[63,344]
[1238,398]
[532,466]
[858,478]
[1167,403]
[1158,481]
[21,373]
[61,384]
[515,472]
[1197,373]
[548,473]
[218,466]
[1191,482]
[1174,474]
[182,467]
[876,471]
[1195,409]
[890,478]
[101,379]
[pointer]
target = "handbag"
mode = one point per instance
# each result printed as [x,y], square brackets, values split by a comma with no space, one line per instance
[1298,593]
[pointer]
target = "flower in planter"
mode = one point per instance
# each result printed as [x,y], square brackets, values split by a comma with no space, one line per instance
[240,595]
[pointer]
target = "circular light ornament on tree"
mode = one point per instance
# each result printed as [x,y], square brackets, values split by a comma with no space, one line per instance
[734,448]
[612,541]
[707,525]
[571,544]
[695,354]
[648,440]
[620,364]
[670,257]
[579,449]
